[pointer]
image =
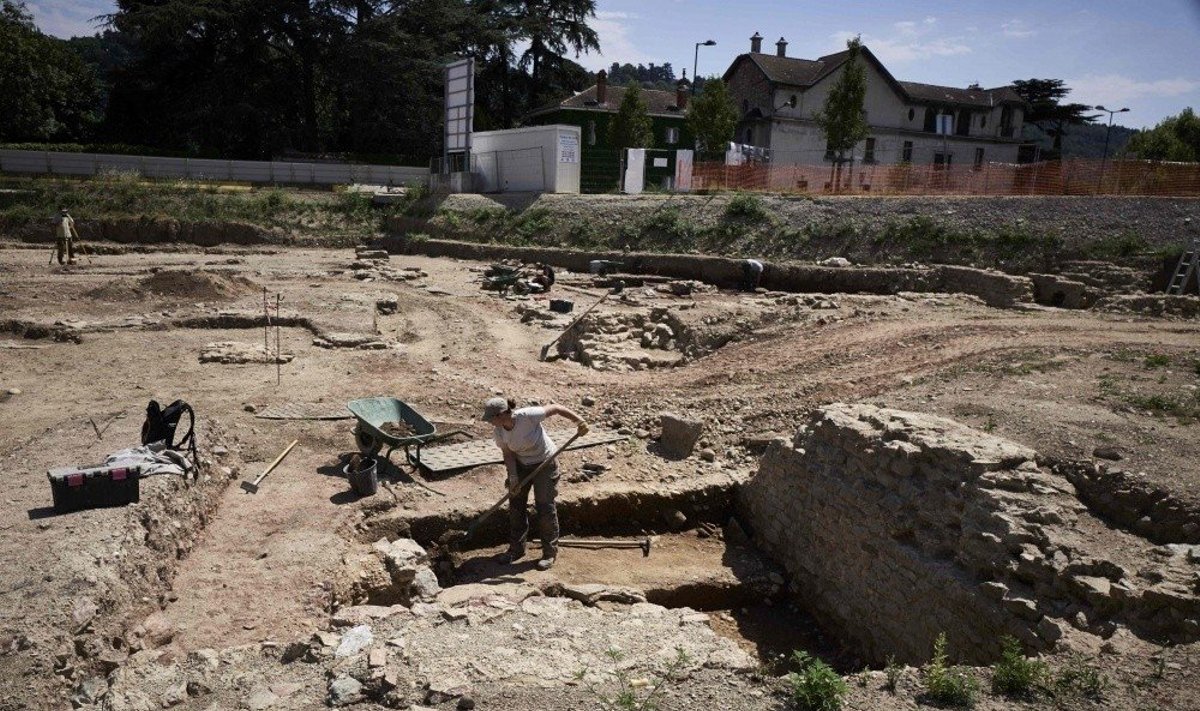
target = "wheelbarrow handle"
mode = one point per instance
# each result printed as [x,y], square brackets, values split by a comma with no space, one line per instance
[520,485]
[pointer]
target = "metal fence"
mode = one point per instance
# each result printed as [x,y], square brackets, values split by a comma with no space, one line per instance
[1068,177]
[86,164]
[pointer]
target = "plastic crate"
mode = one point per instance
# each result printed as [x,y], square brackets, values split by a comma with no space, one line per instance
[94,487]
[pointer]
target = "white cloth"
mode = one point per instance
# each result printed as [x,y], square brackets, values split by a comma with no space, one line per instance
[151,460]
[755,265]
[527,439]
[68,224]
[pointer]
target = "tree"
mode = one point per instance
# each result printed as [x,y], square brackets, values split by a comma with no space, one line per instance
[47,93]
[842,119]
[631,127]
[553,27]
[1046,111]
[1175,138]
[712,117]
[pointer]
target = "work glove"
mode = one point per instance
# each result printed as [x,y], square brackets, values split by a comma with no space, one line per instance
[582,429]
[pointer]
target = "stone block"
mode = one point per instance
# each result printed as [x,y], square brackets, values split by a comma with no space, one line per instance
[679,434]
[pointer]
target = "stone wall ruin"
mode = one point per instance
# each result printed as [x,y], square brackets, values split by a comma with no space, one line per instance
[896,526]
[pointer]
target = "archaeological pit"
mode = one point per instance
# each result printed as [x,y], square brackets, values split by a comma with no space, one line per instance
[849,462]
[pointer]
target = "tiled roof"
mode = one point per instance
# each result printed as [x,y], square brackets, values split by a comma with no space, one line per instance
[794,71]
[658,102]
[953,95]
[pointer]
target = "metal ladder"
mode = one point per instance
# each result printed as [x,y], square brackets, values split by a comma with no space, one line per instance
[1189,266]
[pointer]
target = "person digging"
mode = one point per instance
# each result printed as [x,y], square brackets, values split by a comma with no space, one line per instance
[523,440]
[66,236]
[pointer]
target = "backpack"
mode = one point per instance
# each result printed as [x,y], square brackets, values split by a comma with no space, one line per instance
[162,424]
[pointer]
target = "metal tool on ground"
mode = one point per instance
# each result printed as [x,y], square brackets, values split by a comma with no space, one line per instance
[1188,267]
[546,348]
[643,544]
[453,538]
[252,487]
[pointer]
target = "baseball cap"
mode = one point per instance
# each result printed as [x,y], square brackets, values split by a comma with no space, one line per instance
[494,406]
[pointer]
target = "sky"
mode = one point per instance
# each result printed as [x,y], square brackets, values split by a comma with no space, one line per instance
[1144,55]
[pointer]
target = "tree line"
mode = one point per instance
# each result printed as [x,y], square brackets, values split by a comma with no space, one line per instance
[235,79]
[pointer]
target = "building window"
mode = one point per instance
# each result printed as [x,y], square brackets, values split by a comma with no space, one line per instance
[962,127]
[749,137]
[906,155]
[942,160]
[869,151]
[911,114]
[983,120]
[672,135]
[931,120]
[591,133]
[978,158]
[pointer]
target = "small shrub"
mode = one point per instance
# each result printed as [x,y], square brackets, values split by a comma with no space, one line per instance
[816,687]
[746,207]
[1078,678]
[1015,674]
[947,684]
[633,694]
[1126,244]
[893,671]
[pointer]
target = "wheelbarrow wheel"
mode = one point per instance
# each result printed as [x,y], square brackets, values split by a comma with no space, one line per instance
[367,443]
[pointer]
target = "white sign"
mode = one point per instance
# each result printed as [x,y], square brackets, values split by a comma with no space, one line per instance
[568,148]
[660,162]
[635,170]
[945,124]
[460,105]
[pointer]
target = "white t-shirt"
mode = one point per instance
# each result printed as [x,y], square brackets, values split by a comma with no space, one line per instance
[527,439]
[67,224]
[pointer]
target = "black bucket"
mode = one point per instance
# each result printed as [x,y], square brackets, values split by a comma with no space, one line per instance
[365,481]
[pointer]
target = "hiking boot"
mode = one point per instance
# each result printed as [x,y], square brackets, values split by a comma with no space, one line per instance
[545,563]
[511,555]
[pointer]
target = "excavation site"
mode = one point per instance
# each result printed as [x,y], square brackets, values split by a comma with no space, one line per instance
[923,474]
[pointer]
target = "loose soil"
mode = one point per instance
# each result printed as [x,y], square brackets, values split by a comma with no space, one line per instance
[1061,382]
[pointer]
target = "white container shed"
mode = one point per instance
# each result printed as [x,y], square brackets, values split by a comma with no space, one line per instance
[536,159]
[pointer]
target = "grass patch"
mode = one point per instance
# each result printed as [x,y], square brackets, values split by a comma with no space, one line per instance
[744,206]
[1157,360]
[816,686]
[1077,679]
[1126,244]
[633,694]
[1016,675]
[947,684]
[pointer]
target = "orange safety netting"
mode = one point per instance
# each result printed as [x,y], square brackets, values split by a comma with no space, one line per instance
[1068,177]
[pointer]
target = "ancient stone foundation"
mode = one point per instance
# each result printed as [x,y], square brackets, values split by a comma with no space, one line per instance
[897,526]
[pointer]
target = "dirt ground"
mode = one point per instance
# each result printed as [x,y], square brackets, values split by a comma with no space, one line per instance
[1062,382]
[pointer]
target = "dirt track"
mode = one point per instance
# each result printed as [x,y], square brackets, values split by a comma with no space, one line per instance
[266,563]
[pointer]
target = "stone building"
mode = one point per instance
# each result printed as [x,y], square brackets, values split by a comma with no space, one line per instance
[778,95]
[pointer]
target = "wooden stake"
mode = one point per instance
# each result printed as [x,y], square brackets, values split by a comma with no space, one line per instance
[278,371]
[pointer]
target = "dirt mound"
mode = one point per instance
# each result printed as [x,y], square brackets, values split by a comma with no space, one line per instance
[197,285]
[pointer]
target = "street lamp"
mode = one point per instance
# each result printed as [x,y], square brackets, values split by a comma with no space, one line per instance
[1107,132]
[696,61]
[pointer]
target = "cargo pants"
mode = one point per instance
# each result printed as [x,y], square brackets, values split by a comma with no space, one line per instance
[545,491]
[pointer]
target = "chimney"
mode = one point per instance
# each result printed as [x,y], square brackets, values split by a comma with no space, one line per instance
[681,94]
[601,87]
[756,43]
[781,48]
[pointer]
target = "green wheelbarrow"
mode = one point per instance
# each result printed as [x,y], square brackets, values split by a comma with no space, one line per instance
[372,413]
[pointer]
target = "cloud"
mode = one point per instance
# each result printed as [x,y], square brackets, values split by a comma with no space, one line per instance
[1117,89]
[615,44]
[910,41]
[1017,28]
[67,18]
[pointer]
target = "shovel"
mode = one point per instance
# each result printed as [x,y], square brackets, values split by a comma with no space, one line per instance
[457,537]
[252,487]
[546,348]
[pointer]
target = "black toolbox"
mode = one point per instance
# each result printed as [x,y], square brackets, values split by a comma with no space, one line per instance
[94,487]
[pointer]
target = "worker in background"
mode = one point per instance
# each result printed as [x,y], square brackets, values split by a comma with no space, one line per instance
[525,444]
[544,279]
[752,270]
[67,235]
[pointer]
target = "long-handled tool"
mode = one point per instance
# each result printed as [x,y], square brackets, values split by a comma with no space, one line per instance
[546,348]
[644,544]
[457,537]
[252,487]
